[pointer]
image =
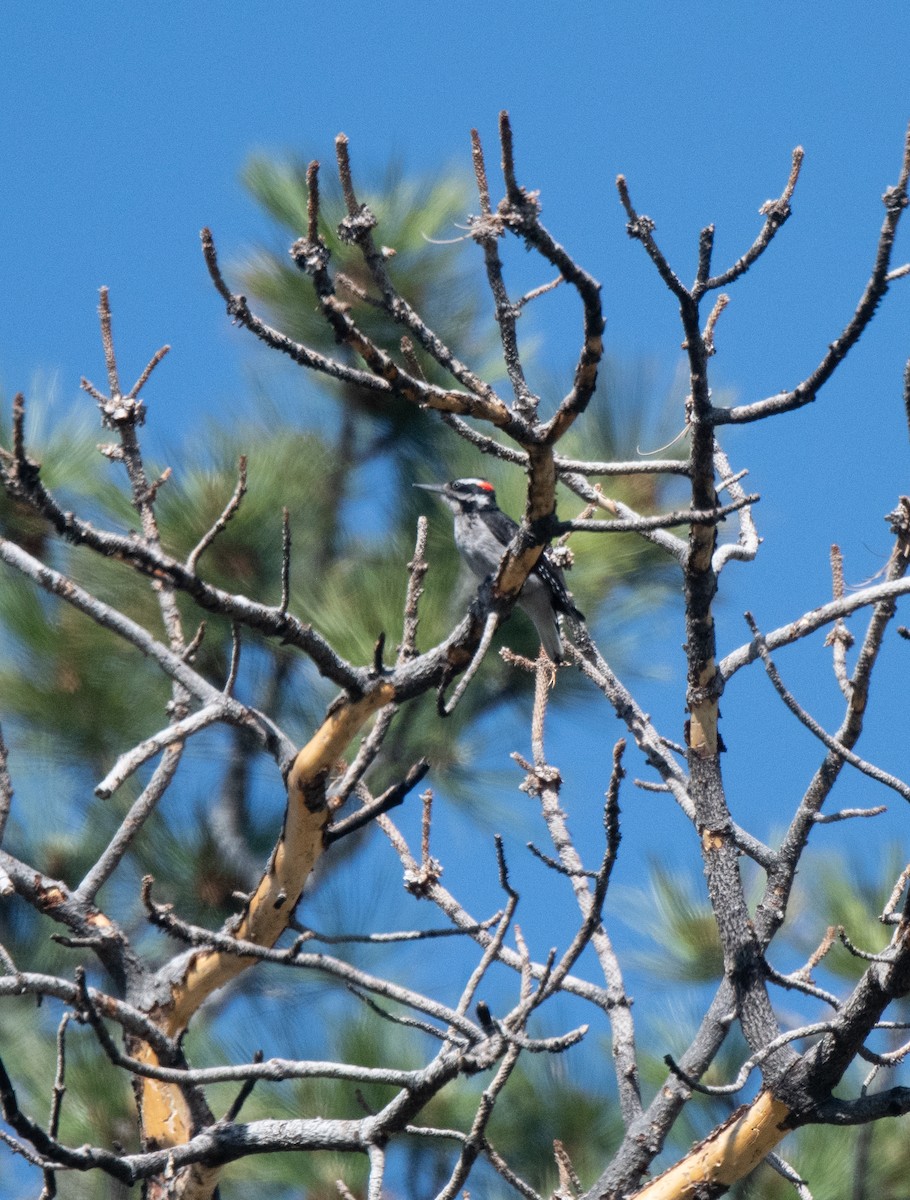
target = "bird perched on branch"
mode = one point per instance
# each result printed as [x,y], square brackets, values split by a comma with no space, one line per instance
[482,533]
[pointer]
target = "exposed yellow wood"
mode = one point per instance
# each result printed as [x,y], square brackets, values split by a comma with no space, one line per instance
[725,1156]
[541,503]
[333,736]
[163,1111]
[517,570]
[703,715]
[166,1119]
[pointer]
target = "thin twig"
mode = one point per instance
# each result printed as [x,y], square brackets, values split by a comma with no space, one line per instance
[775,212]
[53,1121]
[233,1110]
[889,912]
[127,764]
[486,230]
[474,1142]
[6,787]
[491,950]
[641,228]
[895,201]
[285,560]
[708,336]
[107,342]
[730,1089]
[813,726]
[417,569]
[234,666]
[810,622]
[746,546]
[132,824]
[797,981]
[389,799]
[488,445]
[171,664]
[839,637]
[884,956]
[404,935]
[846,814]
[783,1168]
[673,545]
[490,625]
[163,917]
[227,513]
[662,520]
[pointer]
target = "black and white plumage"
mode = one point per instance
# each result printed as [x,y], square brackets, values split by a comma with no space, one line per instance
[482,532]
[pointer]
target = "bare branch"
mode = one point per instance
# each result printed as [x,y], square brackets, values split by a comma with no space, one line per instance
[675,546]
[564,466]
[708,336]
[285,560]
[840,637]
[521,213]
[389,799]
[107,342]
[162,916]
[662,521]
[846,814]
[130,762]
[810,622]
[544,782]
[486,230]
[775,212]
[889,912]
[132,824]
[6,790]
[895,201]
[151,561]
[172,665]
[229,511]
[641,228]
[783,1168]
[730,1089]
[832,744]
[746,546]
[383,377]
[446,708]
[417,569]
[357,228]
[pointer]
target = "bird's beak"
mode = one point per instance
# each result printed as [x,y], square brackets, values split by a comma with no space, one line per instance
[431,487]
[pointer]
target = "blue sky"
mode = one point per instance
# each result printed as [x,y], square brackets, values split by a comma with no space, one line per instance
[124,129]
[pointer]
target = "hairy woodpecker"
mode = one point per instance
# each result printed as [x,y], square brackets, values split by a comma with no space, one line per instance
[482,532]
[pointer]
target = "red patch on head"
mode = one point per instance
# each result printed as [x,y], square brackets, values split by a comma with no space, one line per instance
[487,487]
